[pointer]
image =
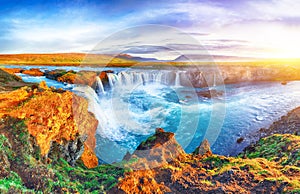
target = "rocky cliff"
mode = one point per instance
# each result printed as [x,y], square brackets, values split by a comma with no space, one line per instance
[201,76]
[227,74]
[58,120]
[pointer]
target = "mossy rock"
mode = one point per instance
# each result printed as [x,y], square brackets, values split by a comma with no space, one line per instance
[284,149]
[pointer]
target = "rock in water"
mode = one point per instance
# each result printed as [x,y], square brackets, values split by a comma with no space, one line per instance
[33,72]
[240,140]
[203,149]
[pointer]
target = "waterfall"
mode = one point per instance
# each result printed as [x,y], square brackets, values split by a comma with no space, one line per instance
[130,78]
[177,79]
[134,104]
[214,84]
[99,86]
[107,126]
[112,78]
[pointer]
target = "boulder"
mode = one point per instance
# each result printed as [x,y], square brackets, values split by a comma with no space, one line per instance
[203,149]
[210,93]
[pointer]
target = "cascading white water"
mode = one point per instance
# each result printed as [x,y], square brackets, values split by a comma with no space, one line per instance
[127,78]
[99,86]
[111,79]
[177,79]
[107,123]
[214,83]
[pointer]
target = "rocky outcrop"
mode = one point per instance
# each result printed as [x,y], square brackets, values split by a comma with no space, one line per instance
[203,149]
[58,120]
[287,124]
[12,70]
[9,81]
[204,172]
[55,74]
[69,77]
[156,151]
[104,77]
[72,77]
[33,72]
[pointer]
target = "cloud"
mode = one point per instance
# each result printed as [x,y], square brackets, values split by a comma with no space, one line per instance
[275,9]
[197,33]
[146,49]
[229,26]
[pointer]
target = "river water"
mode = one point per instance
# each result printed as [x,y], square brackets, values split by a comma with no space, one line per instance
[135,102]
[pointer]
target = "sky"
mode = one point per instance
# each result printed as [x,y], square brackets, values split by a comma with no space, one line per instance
[161,29]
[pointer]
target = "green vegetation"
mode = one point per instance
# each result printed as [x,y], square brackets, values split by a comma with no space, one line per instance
[23,170]
[207,182]
[5,146]
[215,161]
[149,141]
[13,183]
[284,149]
[83,180]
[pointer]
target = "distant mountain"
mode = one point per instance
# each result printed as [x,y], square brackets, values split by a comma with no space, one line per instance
[140,59]
[205,58]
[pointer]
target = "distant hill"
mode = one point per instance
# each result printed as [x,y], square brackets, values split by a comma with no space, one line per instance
[125,60]
[205,58]
[63,59]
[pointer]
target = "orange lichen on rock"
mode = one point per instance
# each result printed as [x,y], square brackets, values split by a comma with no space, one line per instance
[86,78]
[68,78]
[10,100]
[72,77]
[52,117]
[88,157]
[33,72]
[146,181]
[12,70]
